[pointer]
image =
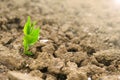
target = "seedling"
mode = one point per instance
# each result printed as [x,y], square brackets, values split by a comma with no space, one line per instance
[31,35]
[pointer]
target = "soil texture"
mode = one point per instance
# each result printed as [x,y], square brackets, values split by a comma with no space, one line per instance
[79,40]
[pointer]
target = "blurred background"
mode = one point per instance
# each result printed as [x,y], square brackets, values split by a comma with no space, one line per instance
[94,17]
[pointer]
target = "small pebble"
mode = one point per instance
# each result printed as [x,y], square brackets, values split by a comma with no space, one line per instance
[44,41]
[89,78]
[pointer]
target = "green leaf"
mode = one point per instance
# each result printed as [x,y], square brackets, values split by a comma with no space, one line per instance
[30,40]
[31,35]
[35,32]
[27,26]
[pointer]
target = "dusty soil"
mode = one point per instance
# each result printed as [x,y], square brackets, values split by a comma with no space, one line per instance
[79,40]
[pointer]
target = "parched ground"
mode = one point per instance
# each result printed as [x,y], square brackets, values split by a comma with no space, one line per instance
[79,40]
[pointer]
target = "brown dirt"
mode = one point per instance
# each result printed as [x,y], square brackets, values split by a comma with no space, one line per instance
[82,36]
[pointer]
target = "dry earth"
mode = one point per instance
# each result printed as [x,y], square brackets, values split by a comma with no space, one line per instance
[79,40]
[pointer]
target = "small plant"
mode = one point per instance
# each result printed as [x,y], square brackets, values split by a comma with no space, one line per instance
[31,35]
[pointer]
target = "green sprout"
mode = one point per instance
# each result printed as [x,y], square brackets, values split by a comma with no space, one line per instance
[31,35]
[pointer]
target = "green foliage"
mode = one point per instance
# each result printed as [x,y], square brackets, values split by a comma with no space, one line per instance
[31,35]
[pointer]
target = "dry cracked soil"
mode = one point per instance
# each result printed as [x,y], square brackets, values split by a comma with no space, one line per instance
[79,40]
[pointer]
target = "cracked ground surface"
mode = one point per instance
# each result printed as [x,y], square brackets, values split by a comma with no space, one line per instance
[82,40]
